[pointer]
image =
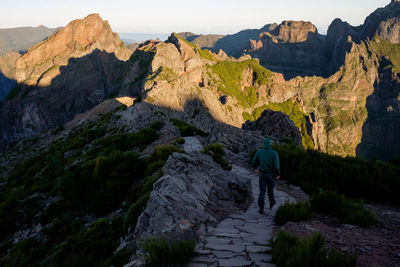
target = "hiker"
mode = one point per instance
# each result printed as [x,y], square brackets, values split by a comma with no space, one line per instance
[266,162]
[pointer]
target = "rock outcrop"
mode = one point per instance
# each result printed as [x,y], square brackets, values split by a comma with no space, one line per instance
[194,192]
[79,38]
[292,48]
[72,71]
[275,124]
[382,127]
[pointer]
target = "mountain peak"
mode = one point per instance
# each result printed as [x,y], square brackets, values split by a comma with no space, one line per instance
[79,38]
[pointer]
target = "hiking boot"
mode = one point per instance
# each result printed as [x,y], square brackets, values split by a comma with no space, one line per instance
[271,205]
[261,211]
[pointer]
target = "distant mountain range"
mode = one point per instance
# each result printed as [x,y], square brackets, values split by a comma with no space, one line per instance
[141,37]
[22,38]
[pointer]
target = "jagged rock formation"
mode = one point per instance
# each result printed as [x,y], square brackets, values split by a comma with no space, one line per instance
[232,44]
[293,48]
[77,39]
[7,73]
[384,22]
[382,127]
[275,124]
[22,38]
[73,70]
[194,192]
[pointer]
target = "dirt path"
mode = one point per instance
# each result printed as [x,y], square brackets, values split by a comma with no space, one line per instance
[243,238]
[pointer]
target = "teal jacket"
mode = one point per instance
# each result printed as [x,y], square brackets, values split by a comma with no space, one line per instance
[266,159]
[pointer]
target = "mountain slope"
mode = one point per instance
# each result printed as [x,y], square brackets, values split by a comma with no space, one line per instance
[73,70]
[22,38]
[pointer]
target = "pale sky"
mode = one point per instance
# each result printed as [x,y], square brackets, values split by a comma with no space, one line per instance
[207,16]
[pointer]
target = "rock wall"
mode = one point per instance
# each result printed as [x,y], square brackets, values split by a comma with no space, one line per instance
[193,193]
[275,124]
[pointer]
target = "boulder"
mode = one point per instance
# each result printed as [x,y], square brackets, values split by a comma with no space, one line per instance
[194,191]
[275,124]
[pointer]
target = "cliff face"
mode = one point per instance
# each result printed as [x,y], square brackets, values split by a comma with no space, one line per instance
[292,48]
[73,70]
[382,127]
[77,39]
[7,73]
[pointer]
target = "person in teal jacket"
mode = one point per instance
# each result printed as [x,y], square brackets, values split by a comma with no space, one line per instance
[266,161]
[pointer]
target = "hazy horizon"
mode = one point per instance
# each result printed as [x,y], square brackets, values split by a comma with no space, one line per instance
[222,17]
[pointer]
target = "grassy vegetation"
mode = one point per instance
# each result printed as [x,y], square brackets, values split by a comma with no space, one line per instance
[187,129]
[160,252]
[167,74]
[293,213]
[385,48]
[293,110]
[348,211]
[255,114]
[231,75]
[312,170]
[217,152]
[93,171]
[290,251]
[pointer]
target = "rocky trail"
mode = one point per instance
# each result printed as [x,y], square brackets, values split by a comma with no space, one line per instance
[243,238]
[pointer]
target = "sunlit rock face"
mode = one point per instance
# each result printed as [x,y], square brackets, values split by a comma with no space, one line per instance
[73,70]
[292,48]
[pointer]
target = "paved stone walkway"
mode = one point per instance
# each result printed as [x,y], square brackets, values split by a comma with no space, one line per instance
[243,238]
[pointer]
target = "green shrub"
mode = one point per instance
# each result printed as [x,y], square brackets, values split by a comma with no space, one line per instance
[154,164]
[350,212]
[99,185]
[58,129]
[161,252]
[179,141]
[187,129]
[100,172]
[354,177]
[25,253]
[293,213]
[92,247]
[288,250]
[217,152]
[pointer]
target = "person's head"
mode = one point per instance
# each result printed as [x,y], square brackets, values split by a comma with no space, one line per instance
[267,143]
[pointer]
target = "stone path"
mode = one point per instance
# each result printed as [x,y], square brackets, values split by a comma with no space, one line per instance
[243,238]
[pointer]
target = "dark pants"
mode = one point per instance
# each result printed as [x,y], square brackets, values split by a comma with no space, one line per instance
[266,180]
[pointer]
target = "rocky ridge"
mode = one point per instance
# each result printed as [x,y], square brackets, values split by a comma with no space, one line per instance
[72,71]
[293,48]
